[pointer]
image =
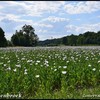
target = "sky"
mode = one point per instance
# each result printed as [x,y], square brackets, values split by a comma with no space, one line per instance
[50,19]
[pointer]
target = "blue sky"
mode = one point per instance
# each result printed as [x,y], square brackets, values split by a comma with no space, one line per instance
[50,19]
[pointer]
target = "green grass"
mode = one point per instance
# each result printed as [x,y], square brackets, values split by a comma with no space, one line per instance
[50,73]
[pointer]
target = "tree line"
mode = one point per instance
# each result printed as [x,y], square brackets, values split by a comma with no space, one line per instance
[87,38]
[27,37]
[24,37]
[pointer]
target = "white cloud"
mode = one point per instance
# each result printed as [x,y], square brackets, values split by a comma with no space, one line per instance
[1,7]
[40,7]
[54,19]
[47,17]
[82,7]
[30,8]
[83,28]
[43,25]
[41,31]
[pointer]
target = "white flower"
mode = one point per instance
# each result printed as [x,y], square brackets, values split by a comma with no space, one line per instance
[2,57]
[51,68]
[14,70]
[67,61]
[64,66]
[8,68]
[99,61]
[37,76]
[29,61]
[47,65]
[89,65]
[64,72]
[25,72]
[41,65]
[59,66]
[8,61]
[38,61]
[31,64]
[46,61]
[4,64]
[64,58]
[94,69]
[55,69]
[18,65]
[23,59]
[86,58]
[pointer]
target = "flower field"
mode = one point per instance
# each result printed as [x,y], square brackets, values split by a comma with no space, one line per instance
[50,72]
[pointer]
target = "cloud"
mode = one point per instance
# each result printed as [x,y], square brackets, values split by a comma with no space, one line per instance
[41,31]
[5,20]
[72,29]
[30,8]
[43,25]
[55,19]
[1,7]
[48,18]
[82,7]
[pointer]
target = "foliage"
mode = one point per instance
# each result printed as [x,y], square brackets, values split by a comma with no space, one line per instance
[25,37]
[87,38]
[3,41]
[43,72]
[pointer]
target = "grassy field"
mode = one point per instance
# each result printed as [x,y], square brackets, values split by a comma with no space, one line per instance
[50,73]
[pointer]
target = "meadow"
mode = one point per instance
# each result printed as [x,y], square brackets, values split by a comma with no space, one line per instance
[50,72]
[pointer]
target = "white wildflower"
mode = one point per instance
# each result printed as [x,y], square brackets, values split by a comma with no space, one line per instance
[67,61]
[8,61]
[8,68]
[89,65]
[23,59]
[18,65]
[29,61]
[30,64]
[37,76]
[5,64]
[94,69]
[14,70]
[64,66]
[2,57]
[51,68]
[59,67]
[38,61]
[46,61]
[99,61]
[25,72]
[55,69]
[64,72]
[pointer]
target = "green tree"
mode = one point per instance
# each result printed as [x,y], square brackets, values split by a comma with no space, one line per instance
[3,41]
[65,40]
[25,37]
[31,37]
[72,40]
[15,39]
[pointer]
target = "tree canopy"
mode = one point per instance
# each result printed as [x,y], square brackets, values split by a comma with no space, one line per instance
[25,37]
[3,41]
[87,38]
